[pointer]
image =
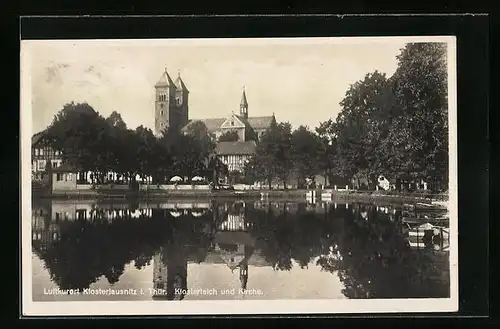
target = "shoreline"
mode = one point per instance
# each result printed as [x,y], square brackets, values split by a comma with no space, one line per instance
[282,195]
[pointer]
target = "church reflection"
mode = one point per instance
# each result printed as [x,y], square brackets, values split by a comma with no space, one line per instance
[232,244]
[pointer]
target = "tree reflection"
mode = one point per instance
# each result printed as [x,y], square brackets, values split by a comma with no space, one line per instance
[88,250]
[285,236]
[364,247]
[373,260]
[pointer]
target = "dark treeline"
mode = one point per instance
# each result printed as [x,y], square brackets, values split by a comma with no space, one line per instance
[91,142]
[392,126]
[365,248]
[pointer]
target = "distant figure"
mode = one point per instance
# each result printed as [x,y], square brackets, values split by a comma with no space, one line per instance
[383,183]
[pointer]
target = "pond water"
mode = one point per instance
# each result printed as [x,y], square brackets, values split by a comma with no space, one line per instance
[206,250]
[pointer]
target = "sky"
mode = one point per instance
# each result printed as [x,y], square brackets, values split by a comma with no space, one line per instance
[300,80]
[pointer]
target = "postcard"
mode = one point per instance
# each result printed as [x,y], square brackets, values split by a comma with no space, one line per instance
[239,176]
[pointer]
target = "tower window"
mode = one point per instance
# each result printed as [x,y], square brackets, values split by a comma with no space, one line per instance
[161,105]
[161,112]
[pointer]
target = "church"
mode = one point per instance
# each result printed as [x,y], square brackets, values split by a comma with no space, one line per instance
[172,111]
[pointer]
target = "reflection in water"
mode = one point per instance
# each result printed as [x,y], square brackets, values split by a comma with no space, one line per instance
[371,251]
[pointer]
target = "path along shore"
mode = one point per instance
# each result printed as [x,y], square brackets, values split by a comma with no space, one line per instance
[290,195]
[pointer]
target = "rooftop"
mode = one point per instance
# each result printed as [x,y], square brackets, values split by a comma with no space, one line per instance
[64,168]
[37,137]
[236,148]
[213,124]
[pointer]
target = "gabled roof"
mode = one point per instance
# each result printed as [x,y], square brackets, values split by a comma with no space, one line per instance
[260,122]
[236,148]
[234,121]
[165,80]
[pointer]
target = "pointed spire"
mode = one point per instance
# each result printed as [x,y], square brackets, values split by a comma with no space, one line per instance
[165,80]
[244,102]
[179,83]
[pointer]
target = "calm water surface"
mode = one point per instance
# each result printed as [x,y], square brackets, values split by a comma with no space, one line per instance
[194,250]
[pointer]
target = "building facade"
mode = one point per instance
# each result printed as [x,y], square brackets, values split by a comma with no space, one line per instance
[235,155]
[41,154]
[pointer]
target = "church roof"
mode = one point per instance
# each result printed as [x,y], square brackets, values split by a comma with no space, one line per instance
[260,122]
[234,237]
[165,80]
[240,148]
[180,84]
[214,257]
[214,124]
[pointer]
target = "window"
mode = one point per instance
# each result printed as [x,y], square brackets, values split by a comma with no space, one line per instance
[161,112]
[161,106]
[41,165]
[54,164]
[232,123]
[58,177]
[41,151]
[68,177]
[37,152]
[57,152]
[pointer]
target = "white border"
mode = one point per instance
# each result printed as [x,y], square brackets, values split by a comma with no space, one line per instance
[107,308]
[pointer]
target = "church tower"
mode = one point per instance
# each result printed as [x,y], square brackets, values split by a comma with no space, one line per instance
[244,105]
[182,100]
[165,93]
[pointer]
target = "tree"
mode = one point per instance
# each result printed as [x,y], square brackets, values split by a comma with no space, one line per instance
[358,126]
[83,136]
[305,148]
[229,136]
[145,148]
[283,155]
[115,120]
[327,155]
[420,87]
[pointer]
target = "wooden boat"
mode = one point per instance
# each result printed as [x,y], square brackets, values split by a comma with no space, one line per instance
[433,221]
[425,207]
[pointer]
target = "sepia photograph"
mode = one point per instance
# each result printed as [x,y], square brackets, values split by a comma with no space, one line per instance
[239,176]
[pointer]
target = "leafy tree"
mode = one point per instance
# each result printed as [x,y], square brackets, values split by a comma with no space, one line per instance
[115,120]
[328,159]
[305,150]
[81,133]
[283,155]
[420,88]
[358,126]
[229,136]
